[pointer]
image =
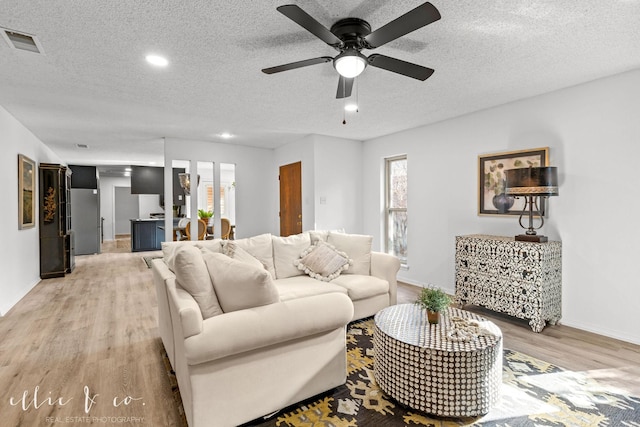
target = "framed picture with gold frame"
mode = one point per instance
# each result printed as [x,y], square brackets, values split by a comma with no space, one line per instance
[26,192]
[491,179]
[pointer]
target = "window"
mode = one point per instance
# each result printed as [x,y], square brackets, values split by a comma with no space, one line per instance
[396,207]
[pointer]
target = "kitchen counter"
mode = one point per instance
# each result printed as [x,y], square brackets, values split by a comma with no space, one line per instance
[146,234]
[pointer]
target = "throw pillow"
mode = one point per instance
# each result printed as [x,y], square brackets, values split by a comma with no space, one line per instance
[239,285]
[232,250]
[357,247]
[169,249]
[192,275]
[323,235]
[323,262]
[261,248]
[214,245]
[286,250]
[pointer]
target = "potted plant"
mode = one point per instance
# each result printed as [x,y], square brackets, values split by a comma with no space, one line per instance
[202,214]
[433,300]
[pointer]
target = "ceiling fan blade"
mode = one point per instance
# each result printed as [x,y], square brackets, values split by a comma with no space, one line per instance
[344,87]
[417,18]
[297,64]
[401,67]
[306,21]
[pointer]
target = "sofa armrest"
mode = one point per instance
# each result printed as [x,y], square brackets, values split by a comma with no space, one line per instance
[180,303]
[385,266]
[245,330]
[189,312]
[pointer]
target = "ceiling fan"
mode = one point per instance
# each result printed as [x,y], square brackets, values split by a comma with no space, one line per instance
[350,36]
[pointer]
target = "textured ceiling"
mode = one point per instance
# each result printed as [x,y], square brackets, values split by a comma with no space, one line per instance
[92,86]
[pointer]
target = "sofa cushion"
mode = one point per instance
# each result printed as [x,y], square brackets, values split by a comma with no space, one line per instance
[360,286]
[232,250]
[214,245]
[261,248]
[286,250]
[304,286]
[192,275]
[322,261]
[317,235]
[239,285]
[169,249]
[357,247]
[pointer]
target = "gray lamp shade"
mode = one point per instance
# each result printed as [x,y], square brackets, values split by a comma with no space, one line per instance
[542,181]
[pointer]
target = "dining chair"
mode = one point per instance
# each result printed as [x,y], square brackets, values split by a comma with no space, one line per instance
[225,226]
[202,230]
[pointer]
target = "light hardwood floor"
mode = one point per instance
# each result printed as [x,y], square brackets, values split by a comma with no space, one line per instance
[608,360]
[96,328]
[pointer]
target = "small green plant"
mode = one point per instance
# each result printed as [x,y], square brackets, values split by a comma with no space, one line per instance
[433,299]
[204,214]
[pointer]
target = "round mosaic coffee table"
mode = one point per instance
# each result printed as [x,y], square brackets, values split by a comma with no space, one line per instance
[437,368]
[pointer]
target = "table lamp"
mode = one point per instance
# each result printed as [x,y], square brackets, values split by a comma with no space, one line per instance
[534,184]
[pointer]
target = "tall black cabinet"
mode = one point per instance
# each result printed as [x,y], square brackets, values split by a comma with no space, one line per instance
[56,237]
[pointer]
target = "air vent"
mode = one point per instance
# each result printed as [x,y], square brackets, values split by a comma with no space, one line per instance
[21,41]
[82,146]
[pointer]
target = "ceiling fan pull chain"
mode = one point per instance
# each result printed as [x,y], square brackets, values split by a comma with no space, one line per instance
[357,98]
[344,103]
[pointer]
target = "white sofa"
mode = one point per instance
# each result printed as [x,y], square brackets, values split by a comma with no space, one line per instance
[246,361]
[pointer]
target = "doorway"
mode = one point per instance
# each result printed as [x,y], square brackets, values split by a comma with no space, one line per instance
[126,208]
[291,199]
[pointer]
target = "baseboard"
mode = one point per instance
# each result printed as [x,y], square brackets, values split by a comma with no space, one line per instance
[604,332]
[424,284]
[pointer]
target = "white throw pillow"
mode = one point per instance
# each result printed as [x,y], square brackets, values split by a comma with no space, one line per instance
[261,248]
[286,250]
[323,262]
[214,245]
[193,276]
[357,247]
[234,251]
[169,249]
[239,285]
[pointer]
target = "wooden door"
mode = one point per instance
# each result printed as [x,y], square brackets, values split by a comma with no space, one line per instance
[291,199]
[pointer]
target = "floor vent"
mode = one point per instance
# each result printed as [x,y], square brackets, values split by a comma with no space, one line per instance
[82,146]
[21,41]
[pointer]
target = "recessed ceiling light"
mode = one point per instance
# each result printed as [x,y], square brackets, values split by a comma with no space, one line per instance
[158,61]
[226,135]
[351,107]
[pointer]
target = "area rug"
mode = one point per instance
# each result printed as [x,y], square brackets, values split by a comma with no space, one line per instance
[147,259]
[534,393]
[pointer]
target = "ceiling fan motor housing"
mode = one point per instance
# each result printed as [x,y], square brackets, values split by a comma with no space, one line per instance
[352,32]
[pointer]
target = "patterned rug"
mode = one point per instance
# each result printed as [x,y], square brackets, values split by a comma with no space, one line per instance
[534,393]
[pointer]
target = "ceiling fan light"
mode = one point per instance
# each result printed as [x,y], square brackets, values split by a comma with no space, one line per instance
[350,63]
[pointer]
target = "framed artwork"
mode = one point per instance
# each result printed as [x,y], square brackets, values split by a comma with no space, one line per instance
[491,180]
[26,192]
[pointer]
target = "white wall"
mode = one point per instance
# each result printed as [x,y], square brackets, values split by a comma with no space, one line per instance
[20,249]
[593,133]
[298,151]
[148,204]
[331,181]
[255,204]
[338,184]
